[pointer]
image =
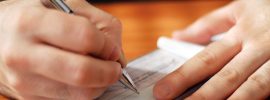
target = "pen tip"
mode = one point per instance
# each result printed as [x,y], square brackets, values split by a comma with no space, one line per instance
[137,92]
[134,89]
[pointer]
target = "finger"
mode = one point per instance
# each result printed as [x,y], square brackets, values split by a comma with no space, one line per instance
[70,32]
[204,28]
[256,87]
[66,67]
[233,74]
[86,93]
[87,71]
[33,97]
[106,23]
[200,67]
[36,85]
[122,60]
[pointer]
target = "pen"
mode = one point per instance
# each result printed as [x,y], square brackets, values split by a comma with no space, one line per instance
[125,79]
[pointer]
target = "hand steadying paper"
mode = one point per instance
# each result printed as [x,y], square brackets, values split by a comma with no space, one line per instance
[238,64]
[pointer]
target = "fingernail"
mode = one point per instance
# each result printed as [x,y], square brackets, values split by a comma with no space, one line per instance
[122,59]
[162,91]
[120,72]
[114,56]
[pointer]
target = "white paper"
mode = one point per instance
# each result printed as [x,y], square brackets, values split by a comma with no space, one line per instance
[147,70]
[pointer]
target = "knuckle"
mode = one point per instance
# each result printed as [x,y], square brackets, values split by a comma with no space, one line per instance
[23,21]
[80,76]
[116,22]
[180,75]
[11,59]
[229,76]
[86,37]
[207,57]
[112,23]
[259,81]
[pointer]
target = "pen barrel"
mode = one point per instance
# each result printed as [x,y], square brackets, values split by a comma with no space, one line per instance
[60,4]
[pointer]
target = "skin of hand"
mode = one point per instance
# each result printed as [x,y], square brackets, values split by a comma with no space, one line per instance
[238,63]
[49,54]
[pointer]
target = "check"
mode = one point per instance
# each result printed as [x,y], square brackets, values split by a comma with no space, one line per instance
[148,69]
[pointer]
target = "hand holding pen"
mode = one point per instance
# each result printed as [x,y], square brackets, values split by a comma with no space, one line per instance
[125,79]
[50,54]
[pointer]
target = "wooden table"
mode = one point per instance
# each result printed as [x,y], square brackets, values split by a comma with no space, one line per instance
[144,22]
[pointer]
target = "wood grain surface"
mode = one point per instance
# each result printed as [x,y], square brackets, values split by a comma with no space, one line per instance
[144,22]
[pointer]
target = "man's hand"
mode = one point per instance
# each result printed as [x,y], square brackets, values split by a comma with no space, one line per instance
[49,54]
[239,62]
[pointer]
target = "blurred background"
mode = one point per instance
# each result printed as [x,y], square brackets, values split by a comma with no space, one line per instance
[146,20]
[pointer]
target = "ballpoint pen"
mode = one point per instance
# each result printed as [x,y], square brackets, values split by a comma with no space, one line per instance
[125,78]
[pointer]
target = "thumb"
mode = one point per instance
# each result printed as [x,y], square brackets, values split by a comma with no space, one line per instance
[204,28]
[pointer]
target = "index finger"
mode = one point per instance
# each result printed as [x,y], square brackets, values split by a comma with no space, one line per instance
[200,67]
[70,32]
[106,23]
[66,67]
